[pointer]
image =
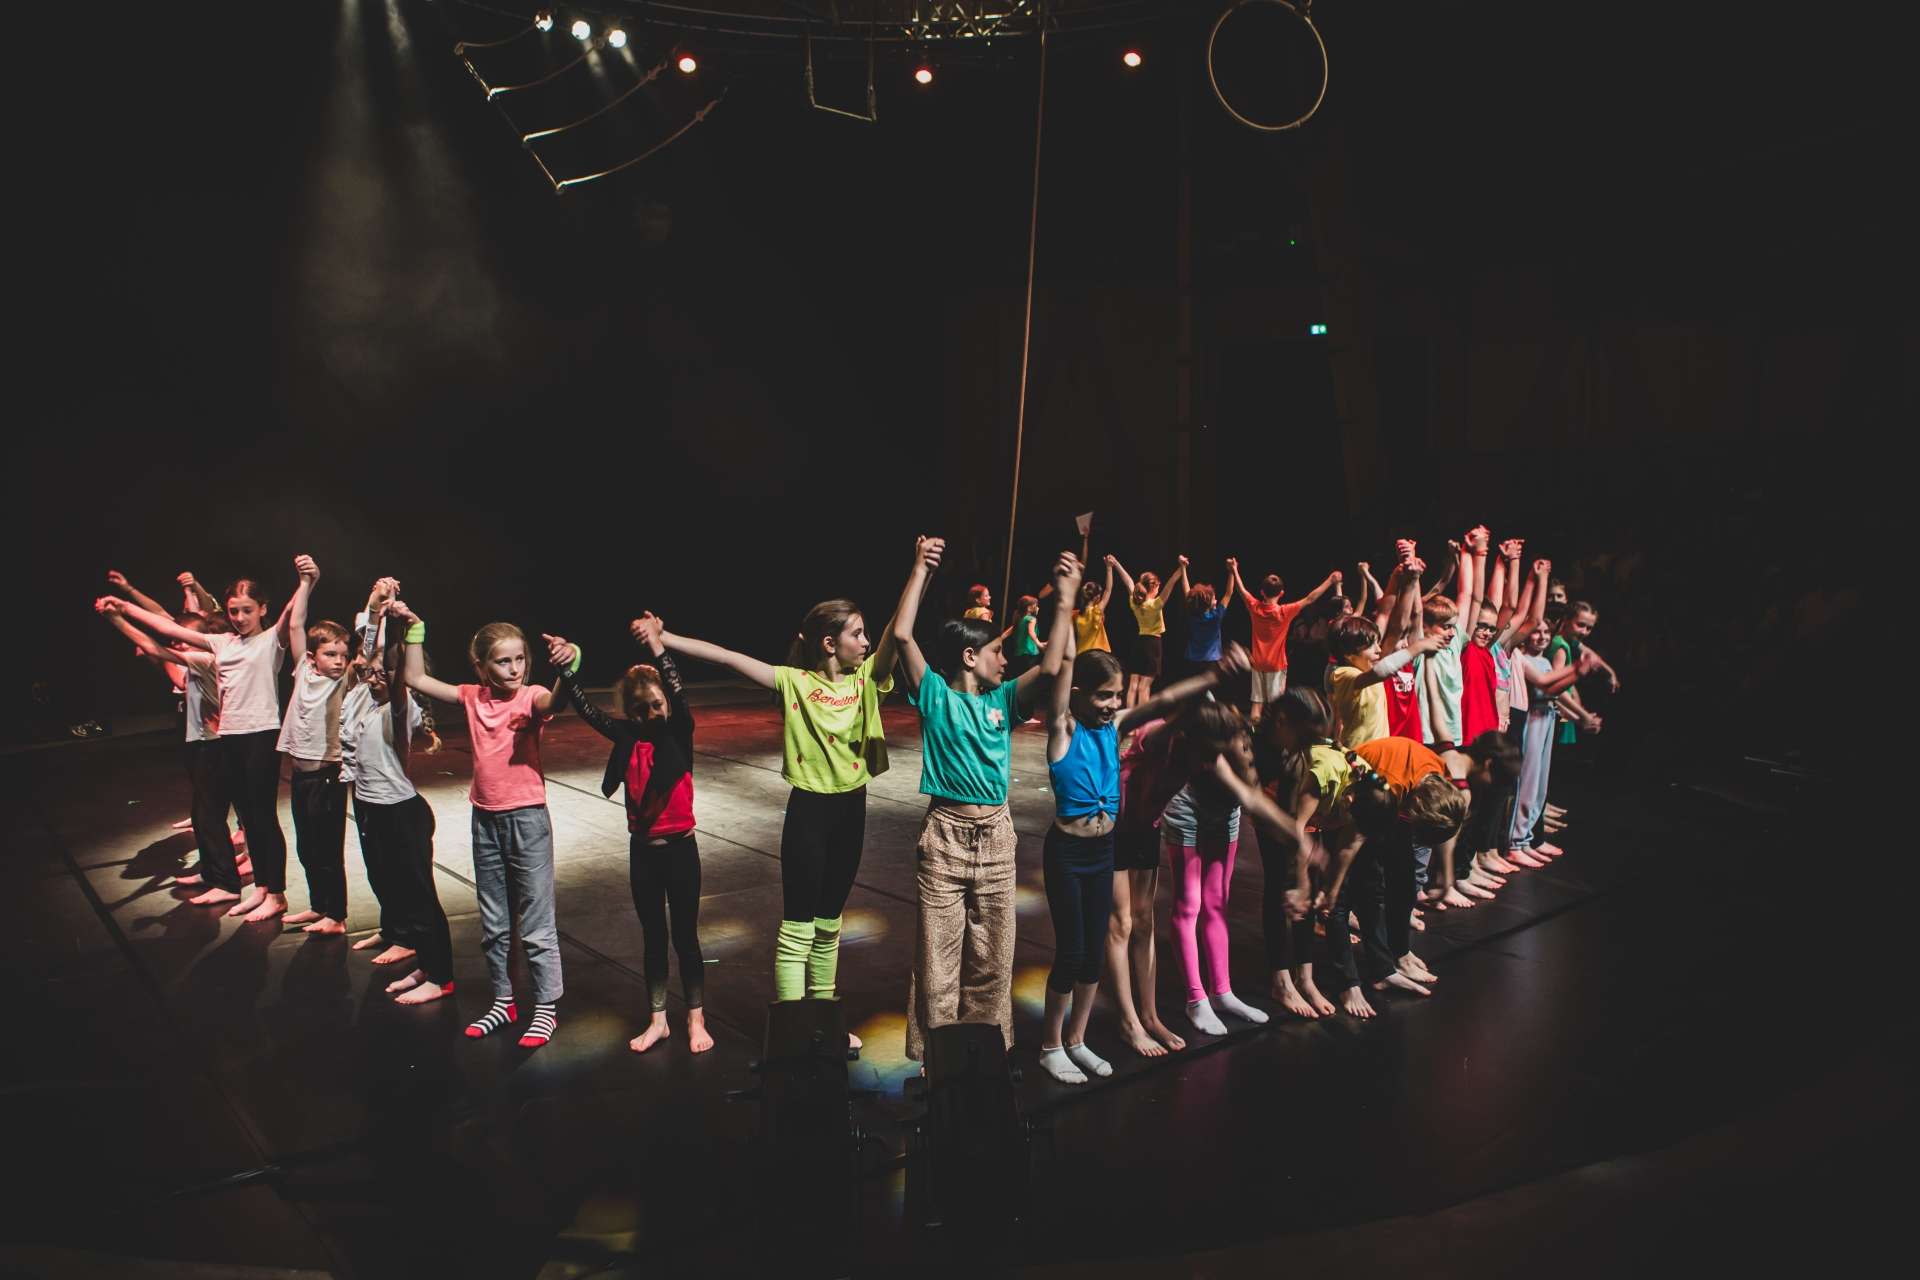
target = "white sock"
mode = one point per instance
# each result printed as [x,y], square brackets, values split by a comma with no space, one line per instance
[1234,1006]
[1090,1062]
[1057,1064]
[1201,1015]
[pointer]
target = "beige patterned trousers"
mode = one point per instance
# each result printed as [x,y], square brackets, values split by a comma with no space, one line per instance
[963,947]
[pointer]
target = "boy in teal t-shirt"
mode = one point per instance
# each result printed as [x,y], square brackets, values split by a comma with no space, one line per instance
[963,947]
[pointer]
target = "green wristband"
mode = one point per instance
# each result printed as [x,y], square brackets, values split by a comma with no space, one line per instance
[417,633]
[573,667]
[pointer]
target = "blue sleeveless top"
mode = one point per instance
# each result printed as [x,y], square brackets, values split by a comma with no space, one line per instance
[1086,780]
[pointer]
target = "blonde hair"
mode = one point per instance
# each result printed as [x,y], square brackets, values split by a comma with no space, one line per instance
[1439,611]
[481,647]
[1434,802]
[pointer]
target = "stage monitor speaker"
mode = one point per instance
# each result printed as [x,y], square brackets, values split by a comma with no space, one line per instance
[809,1145]
[969,1167]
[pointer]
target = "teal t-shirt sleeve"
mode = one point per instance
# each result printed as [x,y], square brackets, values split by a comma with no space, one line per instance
[930,693]
[1010,701]
[1458,645]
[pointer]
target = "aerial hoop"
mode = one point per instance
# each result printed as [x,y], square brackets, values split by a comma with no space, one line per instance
[1301,9]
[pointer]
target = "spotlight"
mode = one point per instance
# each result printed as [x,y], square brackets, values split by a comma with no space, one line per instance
[923,73]
[543,19]
[688,64]
[616,37]
[582,29]
[1132,58]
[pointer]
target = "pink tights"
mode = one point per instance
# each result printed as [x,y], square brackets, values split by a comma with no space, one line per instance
[1202,878]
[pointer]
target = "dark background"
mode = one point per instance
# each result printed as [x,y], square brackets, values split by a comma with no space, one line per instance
[1630,283]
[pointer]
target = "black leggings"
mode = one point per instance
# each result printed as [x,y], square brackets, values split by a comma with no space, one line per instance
[1288,942]
[820,852]
[666,885]
[320,837]
[1079,877]
[252,766]
[397,842]
[218,866]
[1379,892]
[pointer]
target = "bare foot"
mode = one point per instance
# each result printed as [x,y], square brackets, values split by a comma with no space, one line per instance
[700,1041]
[395,954]
[1493,862]
[183,824]
[1288,996]
[1544,850]
[255,896]
[1485,879]
[1416,968]
[1552,826]
[853,1042]
[327,925]
[244,865]
[1418,924]
[189,877]
[1321,1005]
[1556,811]
[424,992]
[271,905]
[1158,1030]
[369,942]
[1473,890]
[1141,1043]
[1521,858]
[302,917]
[407,983]
[1452,897]
[656,1031]
[214,897]
[1401,982]
[1356,1004]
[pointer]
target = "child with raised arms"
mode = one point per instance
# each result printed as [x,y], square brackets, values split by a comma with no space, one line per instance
[1147,598]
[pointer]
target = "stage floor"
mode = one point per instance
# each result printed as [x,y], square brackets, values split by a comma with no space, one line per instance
[1606,1043]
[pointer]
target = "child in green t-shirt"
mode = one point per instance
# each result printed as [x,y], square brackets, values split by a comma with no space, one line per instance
[963,949]
[832,743]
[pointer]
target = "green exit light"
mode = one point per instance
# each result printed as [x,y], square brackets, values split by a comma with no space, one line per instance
[1317,330]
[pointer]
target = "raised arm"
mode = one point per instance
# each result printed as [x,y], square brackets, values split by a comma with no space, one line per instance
[1370,592]
[1060,715]
[761,673]
[1177,580]
[647,629]
[565,657]
[198,599]
[1106,592]
[158,623]
[293,619]
[1497,592]
[1390,664]
[118,580]
[1331,581]
[1233,661]
[416,663]
[1058,654]
[913,663]
[1234,586]
[1126,579]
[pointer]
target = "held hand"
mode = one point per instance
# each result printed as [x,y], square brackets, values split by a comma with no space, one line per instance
[398,609]
[1066,577]
[559,652]
[1405,546]
[187,580]
[1297,904]
[927,552]
[1336,578]
[1544,568]
[117,579]
[1233,564]
[1510,549]
[1363,567]
[308,570]
[1109,561]
[1416,566]
[109,605]
[384,589]
[1183,561]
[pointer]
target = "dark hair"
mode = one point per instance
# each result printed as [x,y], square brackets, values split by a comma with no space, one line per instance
[1496,750]
[955,637]
[1554,614]
[324,632]
[1436,807]
[1094,668]
[638,676]
[1201,598]
[824,621]
[1089,591]
[248,587]
[191,621]
[1372,804]
[1351,635]
[1025,605]
[1272,586]
[1306,712]
[1579,607]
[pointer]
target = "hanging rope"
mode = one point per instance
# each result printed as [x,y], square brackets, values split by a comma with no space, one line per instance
[653,73]
[560,187]
[1026,340]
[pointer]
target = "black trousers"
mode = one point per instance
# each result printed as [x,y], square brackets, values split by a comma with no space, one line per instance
[1288,942]
[665,879]
[397,842]
[320,837]
[820,852]
[1079,878]
[1379,892]
[251,764]
[218,866]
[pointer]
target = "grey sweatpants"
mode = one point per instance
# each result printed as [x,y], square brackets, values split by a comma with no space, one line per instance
[513,875]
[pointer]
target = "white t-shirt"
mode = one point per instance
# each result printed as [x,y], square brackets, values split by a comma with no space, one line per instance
[202,699]
[366,748]
[249,688]
[312,728]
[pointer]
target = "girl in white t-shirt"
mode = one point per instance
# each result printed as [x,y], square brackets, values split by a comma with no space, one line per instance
[247,663]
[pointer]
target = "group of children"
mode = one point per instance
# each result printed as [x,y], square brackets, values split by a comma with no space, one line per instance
[1362,780]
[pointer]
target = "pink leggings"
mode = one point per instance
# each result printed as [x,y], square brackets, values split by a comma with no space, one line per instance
[1202,878]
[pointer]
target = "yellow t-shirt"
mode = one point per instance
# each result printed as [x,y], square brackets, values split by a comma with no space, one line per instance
[1362,711]
[831,736]
[1090,630]
[1150,615]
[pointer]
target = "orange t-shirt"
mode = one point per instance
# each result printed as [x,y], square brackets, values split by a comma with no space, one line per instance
[1271,622]
[1401,761]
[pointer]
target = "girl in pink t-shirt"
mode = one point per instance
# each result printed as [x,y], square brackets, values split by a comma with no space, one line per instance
[512,834]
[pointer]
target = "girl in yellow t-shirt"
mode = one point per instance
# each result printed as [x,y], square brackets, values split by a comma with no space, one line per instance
[1090,619]
[1148,600]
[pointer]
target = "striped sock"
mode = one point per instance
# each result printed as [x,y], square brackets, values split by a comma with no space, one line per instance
[546,1020]
[501,1014]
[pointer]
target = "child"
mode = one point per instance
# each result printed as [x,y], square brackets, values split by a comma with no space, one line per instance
[512,832]
[247,660]
[1271,622]
[832,744]
[1148,600]
[979,603]
[1543,687]
[1441,687]
[1155,766]
[310,739]
[1090,619]
[652,756]
[1309,779]
[1358,697]
[1025,645]
[963,949]
[1205,612]
[379,720]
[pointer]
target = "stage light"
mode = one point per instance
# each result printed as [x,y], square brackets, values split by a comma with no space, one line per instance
[923,73]
[616,37]
[1132,58]
[582,29]
[1317,330]
[544,19]
[688,64]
